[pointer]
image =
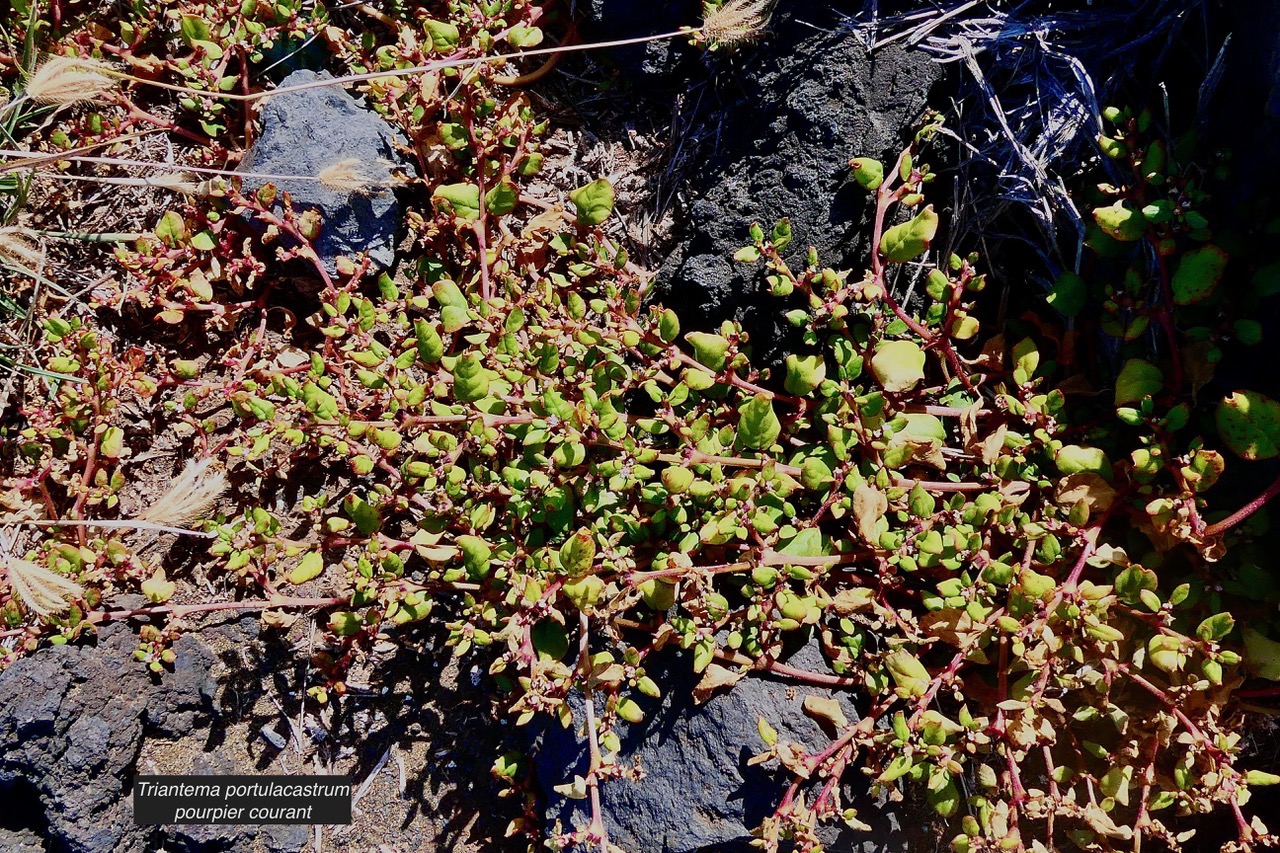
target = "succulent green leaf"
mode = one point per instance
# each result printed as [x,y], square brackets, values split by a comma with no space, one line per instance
[710,350]
[476,556]
[758,425]
[366,517]
[1266,281]
[806,543]
[910,240]
[804,374]
[319,402]
[1121,221]
[669,326]
[502,199]
[172,229]
[448,294]
[308,568]
[524,37]
[462,200]
[550,639]
[594,202]
[1198,275]
[1069,294]
[111,445]
[1133,581]
[585,591]
[203,240]
[470,379]
[1216,627]
[1074,459]
[1137,379]
[1261,777]
[444,36]
[430,344]
[1261,655]
[1249,424]
[868,172]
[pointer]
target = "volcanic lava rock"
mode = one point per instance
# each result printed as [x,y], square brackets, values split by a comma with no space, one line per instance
[808,99]
[698,792]
[650,62]
[71,721]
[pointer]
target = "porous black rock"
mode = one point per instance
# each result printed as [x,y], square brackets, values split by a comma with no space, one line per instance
[803,103]
[72,719]
[22,841]
[307,131]
[654,62]
[698,792]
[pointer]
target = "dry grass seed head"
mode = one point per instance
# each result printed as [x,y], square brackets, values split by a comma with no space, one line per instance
[191,497]
[735,21]
[19,248]
[347,176]
[41,590]
[65,80]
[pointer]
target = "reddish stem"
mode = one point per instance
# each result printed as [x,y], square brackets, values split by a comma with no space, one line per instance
[1245,511]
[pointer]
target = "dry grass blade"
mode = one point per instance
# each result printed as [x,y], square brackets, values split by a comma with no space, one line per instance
[64,80]
[41,590]
[191,497]
[736,21]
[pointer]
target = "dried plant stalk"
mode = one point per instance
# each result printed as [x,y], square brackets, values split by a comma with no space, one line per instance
[191,497]
[41,590]
[65,80]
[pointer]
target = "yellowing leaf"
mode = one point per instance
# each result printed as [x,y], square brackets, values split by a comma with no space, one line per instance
[908,673]
[1121,222]
[898,365]
[824,708]
[308,568]
[157,588]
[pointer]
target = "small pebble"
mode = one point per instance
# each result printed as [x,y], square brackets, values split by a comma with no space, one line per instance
[273,737]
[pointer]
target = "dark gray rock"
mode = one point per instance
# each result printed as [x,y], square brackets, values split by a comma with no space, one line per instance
[653,62]
[1245,113]
[304,133]
[72,719]
[24,841]
[805,101]
[698,793]
[72,722]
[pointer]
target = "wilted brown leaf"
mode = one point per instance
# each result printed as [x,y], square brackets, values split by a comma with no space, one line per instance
[869,506]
